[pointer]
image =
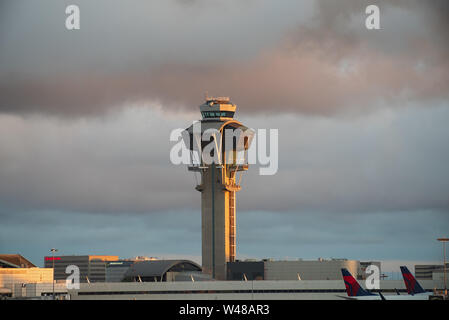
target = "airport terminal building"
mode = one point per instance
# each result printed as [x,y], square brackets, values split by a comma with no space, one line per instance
[92,267]
[269,269]
[233,290]
[183,279]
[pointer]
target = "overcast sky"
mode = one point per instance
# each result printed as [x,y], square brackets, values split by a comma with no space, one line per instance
[85,119]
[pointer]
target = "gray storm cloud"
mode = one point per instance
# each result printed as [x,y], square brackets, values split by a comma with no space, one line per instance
[85,119]
[290,58]
[388,161]
[312,58]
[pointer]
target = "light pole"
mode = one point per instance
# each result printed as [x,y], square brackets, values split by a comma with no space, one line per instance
[53,250]
[444,240]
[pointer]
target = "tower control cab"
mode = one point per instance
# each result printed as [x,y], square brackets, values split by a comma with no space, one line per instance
[217,109]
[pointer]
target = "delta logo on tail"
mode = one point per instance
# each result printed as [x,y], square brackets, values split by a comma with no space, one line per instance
[353,289]
[413,287]
[356,292]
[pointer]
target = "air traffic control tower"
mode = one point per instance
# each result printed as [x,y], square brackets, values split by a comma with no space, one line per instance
[218,180]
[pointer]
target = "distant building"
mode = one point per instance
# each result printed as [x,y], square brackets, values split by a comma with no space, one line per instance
[439,275]
[14,261]
[30,283]
[268,269]
[164,270]
[19,278]
[13,281]
[42,291]
[251,270]
[115,270]
[425,271]
[92,267]
[141,258]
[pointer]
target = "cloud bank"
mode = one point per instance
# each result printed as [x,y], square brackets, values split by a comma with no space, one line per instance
[318,59]
[388,161]
[85,118]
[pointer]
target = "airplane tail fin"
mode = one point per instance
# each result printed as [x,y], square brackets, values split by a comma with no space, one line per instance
[353,289]
[411,283]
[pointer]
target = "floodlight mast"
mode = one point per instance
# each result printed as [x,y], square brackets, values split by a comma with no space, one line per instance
[444,240]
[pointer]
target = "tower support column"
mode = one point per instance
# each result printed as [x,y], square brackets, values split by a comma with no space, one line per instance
[215,224]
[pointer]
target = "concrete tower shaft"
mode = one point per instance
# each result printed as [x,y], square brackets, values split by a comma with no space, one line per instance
[219,183]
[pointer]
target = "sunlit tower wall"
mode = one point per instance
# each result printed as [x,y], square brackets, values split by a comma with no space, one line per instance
[219,181]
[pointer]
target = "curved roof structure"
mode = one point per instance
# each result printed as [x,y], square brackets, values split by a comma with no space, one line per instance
[157,268]
[14,261]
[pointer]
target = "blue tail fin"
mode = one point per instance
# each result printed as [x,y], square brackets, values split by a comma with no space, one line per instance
[353,289]
[412,285]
